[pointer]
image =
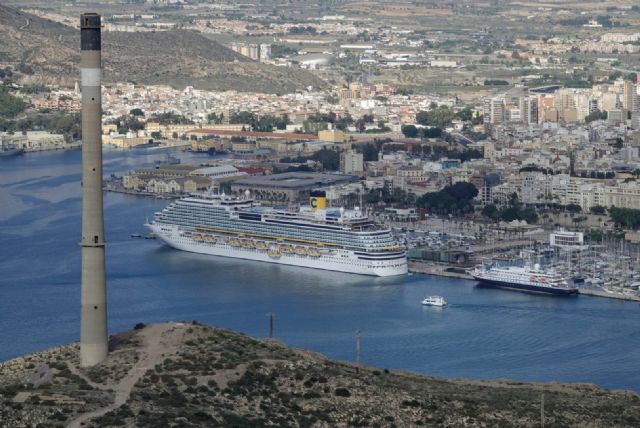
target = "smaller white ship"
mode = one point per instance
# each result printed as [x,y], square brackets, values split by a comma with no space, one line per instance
[434,301]
[526,279]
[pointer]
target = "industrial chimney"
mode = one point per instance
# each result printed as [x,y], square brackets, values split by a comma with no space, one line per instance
[93,328]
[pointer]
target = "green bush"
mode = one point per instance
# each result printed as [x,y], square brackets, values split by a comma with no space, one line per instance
[10,106]
[342,392]
[311,394]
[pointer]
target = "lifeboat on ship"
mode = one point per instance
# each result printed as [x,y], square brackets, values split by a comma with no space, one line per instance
[273,253]
[247,244]
[286,249]
[313,252]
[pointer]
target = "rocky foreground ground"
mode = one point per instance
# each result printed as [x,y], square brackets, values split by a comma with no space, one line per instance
[191,375]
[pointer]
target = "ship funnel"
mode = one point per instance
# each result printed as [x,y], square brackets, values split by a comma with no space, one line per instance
[318,200]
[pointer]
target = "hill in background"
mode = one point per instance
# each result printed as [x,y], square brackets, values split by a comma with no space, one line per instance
[48,52]
[180,374]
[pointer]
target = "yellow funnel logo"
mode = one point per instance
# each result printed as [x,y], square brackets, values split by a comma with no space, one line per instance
[317,202]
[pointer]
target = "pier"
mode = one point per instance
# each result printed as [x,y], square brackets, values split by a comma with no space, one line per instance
[445,270]
[438,269]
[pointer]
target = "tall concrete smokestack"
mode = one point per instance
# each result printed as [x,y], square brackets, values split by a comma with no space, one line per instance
[93,329]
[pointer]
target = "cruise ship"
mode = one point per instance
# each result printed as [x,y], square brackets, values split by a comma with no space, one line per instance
[527,279]
[314,236]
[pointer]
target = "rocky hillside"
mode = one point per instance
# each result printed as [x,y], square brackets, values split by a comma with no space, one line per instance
[192,375]
[48,52]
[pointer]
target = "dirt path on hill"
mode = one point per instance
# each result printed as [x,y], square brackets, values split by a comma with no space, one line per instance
[158,342]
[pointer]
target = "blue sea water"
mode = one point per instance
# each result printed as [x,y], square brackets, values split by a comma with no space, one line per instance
[483,333]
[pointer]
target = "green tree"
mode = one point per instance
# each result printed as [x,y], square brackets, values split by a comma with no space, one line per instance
[615,75]
[369,151]
[330,159]
[368,118]
[170,118]
[595,115]
[404,91]
[574,208]
[281,51]
[136,112]
[495,82]
[513,200]
[10,105]
[440,117]
[215,118]
[529,215]
[331,99]
[453,199]
[432,132]
[243,117]
[510,213]
[625,217]
[128,123]
[466,114]
[409,131]
[491,211]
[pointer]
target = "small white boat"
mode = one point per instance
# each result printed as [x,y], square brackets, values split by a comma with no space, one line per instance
[434,301]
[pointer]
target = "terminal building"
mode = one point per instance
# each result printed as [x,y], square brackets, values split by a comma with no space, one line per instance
[289,186]
[566,240]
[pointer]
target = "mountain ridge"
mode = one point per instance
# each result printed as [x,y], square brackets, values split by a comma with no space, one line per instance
[48,52]
[192,375]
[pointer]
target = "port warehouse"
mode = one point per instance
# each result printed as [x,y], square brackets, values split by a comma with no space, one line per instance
[277,188]
[34,141]
[179,178]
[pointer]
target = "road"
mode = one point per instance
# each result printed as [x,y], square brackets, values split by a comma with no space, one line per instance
[159,341]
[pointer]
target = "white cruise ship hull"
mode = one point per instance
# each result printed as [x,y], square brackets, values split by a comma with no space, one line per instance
[521,283]
[337,260]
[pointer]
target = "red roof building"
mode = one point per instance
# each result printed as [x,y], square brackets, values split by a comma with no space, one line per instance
[252,134]
[251,170]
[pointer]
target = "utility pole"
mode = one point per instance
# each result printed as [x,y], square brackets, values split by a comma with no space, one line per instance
[542,410]
[358,336]
[270,315]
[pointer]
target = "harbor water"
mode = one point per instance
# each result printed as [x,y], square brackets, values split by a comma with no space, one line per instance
[483,333]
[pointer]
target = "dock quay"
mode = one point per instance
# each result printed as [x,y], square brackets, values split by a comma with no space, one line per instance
[439,269]
[608,294]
